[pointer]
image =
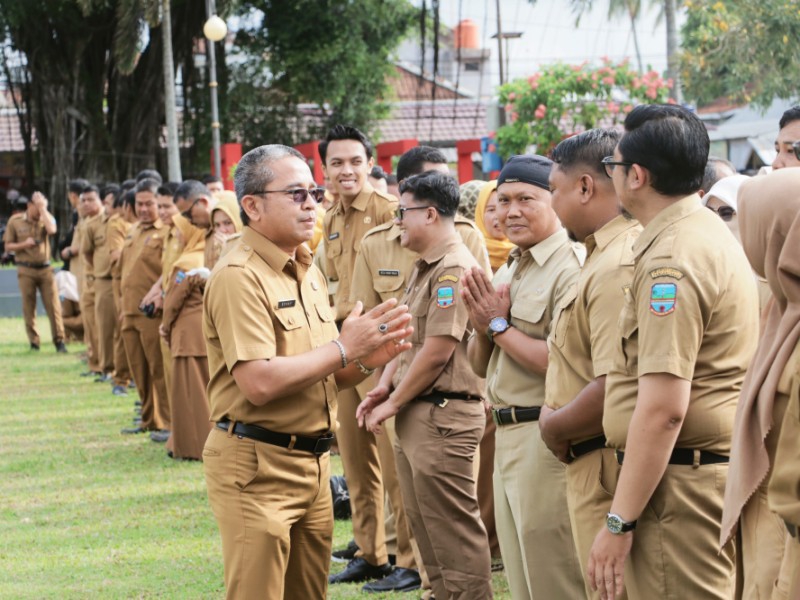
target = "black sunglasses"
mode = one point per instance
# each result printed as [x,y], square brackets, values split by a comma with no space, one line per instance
[726,213]
[400,212]
[299,195]
[796,149]
[609,163]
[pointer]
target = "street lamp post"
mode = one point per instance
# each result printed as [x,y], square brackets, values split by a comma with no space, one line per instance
[214,30]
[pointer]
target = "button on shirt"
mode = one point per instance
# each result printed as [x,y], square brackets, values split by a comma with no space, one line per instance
[692,312]
[141,264]
[540,278]
[259,304]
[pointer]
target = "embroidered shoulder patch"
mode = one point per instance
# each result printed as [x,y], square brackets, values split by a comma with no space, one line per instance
[445,297]
[666,272]
[444,278]
[662,298]
[180,277]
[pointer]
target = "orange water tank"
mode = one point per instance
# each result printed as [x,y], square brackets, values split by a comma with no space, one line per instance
[467,34]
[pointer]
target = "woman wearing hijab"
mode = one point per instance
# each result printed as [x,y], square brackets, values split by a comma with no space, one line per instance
[496,242]
[226,222]
[182,328]
[766,433]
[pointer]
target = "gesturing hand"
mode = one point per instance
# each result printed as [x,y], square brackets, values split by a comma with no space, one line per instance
[377,336]
[377,396]
[484,303]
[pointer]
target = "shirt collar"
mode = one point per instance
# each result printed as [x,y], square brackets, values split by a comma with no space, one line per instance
[438,252]
[542,251]
[266,249]
[608,233]
[670,215]
[361,202]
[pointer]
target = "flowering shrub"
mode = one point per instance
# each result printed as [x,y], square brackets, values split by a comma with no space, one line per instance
[562,100]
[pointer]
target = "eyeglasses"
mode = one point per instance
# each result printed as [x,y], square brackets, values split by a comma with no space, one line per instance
[796,149]
[299,195]
[726,213]
[609,163]
[400,212]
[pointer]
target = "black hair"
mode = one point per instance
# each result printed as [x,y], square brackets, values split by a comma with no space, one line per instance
[149,174]
[671,143]
[76,186]
[126,185]
[440,190]
[792,114]
[110,188]
[168,189]
[711,175]
[344,132]
[411,161]
[207,178]
[378,173]
[126,199]
[191,190]
[391,179]
[91,188]
[147,185]
[586,150]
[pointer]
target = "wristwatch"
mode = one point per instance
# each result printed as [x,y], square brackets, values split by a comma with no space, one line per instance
[497,325]
[617,525]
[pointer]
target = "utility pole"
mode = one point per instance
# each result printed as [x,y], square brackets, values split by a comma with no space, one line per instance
[500,44]
[173,149]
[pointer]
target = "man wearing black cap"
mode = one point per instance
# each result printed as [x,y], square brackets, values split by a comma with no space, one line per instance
[512,317]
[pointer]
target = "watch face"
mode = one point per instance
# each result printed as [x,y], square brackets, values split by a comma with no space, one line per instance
[498,324]
[614,524]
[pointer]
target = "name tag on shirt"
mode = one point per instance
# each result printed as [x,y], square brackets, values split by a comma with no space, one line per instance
[286,303]
[333,236]
[389,272]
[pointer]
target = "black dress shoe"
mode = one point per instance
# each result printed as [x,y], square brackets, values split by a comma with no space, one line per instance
[61,348]
[346,554]
[358,570]
[132,430]
[35,347]
[160,436]
[401,580]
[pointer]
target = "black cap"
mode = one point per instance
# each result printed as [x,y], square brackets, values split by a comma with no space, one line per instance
[527,168]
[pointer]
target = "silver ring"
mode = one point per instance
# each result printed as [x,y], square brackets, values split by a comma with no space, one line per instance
[383,328]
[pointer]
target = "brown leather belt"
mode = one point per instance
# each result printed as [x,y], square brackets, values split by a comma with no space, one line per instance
[441,399]
[319,445]
[515,414]
[792,529]
[19,263]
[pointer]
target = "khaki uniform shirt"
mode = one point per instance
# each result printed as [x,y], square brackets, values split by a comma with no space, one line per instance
[344,229]
[95,244]
[434,301]
[692,312]
[540,280]
[116,233]
[141,264]
[173,246]
[383,265]
[76,264]
[19,229]
[582,339]
[259,304]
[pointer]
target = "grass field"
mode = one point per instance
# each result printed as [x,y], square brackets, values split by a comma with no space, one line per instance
[88,513]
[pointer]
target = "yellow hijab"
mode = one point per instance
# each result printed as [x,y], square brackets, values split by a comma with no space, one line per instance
[228,204]
[498,249]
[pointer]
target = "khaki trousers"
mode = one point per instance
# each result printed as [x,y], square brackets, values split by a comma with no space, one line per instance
[675,553]
[166,358]
[763,572]
[485,487]
[274,511]
[122,373]
[142,346]
[530,504]
[29,281]
[189,413]
[793,560]
[435,450]
[362,470]
[90,325]
[104,320]
[588,480]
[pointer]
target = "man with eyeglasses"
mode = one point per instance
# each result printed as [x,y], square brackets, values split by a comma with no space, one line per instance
[787,144]
[277,363]
[346,155]
[686,333]
[512,316]
[436,397]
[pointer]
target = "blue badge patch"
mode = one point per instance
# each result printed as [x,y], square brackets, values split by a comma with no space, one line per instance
[445,297]
[662,298]
[180,277]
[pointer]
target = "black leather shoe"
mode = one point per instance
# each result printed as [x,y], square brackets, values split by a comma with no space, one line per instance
[35,347]
[358,570]
[401,580]
[160,436]
[132,430]
[61,348]
[345,554]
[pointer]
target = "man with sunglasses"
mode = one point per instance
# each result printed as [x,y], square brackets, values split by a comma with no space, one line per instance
[787,144]
[276,363]
[686,334]
[346,155]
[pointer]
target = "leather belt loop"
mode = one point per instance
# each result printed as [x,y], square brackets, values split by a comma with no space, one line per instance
[514,414]
[231,427]
[292,442]
[496,417]
[695,459]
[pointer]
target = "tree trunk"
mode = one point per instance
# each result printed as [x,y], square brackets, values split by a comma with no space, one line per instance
[673,44]
[632,12]
[173,148]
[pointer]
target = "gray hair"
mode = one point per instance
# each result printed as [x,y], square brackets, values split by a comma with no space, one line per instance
[253,173]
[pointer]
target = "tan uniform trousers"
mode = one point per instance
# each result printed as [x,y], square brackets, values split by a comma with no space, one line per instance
[362,470]
[792,557]
[166,358]
[485,487]
[122,373]
[588,480]
[142,346]
[104,319]
[675,553]
[530,506]
[275,516]
[29,281]
[189,412]
[90,325]
[435,450]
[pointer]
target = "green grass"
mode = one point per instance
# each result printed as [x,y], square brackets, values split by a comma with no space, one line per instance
[88,513]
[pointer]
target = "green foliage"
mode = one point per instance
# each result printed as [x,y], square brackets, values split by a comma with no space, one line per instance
[561,100]
[746,51]
[330,54]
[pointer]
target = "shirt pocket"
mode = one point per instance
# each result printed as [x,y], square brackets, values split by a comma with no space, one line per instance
[419,315]
[325,312]
[333,248]
[564,316]
[387,286]
[289,319]
[528,317]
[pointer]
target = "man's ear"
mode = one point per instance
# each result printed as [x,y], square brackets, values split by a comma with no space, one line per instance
[638,176]
[586,184]
[248,204]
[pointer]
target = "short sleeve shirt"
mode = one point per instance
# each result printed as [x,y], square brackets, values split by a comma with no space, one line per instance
[344,230]
[540,279]
[692,312]
[141,264]
[95,243]
[116,233]
[259,304]
[19,229]
[434,301]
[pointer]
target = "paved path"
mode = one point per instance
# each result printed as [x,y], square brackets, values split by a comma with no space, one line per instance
[10,303]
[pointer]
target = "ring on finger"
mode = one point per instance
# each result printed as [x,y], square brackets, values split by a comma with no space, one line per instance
[383,328]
